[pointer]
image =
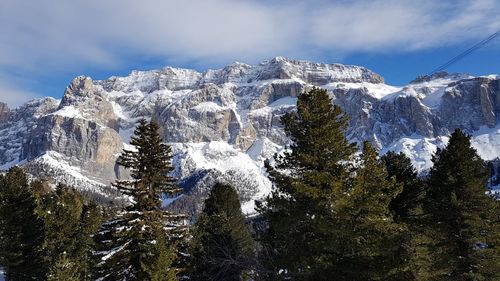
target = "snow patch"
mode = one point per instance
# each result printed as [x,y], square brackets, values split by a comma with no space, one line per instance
[487,142]
[419,149]
[377,91]
[223,157]
[57,161]
[285,102]
[68,111]
[262,149]
[118,110]
[208,106]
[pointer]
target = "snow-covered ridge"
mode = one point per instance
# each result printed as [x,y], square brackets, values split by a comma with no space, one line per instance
[224,123]
[276,68]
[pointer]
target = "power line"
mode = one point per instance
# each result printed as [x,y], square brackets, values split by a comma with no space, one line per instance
[466,52]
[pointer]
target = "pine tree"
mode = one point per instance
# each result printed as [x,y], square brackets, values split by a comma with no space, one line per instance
[134,244]
[327,219]
[407,209]
[21,231]
[222,247]
[372,242]
[298,236]
[406,204]
[69,224]
[466,219]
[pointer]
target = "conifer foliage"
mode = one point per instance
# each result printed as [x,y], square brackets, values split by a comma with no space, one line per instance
[327,219]
[407,209]
[69,224]
[371,247]
[45,234]
[466,220]
[406,204]
[221,248]
[21,230]
[137,243]
[298,239]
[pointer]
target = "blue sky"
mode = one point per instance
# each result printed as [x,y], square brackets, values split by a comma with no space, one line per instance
[45,44]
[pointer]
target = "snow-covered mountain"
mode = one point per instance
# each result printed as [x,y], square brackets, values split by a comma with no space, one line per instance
[223,123]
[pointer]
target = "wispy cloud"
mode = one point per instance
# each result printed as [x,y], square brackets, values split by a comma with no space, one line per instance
[14,96]
[41,36]
[402,25]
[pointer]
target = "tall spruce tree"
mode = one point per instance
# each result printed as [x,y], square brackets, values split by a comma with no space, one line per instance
[298,238]
[466,245]
[135,245]
[222,248]
[21,231]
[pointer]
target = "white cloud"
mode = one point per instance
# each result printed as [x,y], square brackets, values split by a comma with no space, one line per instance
[60,34]
[14,96]
[403,25]
[45,36]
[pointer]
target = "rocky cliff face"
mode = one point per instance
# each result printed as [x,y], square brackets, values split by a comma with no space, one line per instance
[4,112]
[224,123]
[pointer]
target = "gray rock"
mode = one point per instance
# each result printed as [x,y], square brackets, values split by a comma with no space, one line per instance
[469,104]
[4,112]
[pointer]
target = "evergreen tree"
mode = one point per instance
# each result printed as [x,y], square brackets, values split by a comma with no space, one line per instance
[90,221]
[371,243]
[299,238]
[407,209]
[466,245]
[64,269]
[69,225]
[21,231]
[406,204]
[134,244]
[326,220]
[222,248]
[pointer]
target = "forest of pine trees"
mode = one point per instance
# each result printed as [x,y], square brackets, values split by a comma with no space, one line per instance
[338,211]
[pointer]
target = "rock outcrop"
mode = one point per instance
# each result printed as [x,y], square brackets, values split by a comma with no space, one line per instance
[4,112]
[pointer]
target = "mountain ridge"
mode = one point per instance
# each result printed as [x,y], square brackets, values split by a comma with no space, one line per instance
[223,123]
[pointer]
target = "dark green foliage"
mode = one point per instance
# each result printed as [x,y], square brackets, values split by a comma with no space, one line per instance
[21,231]
[298,241]
[137,244]
[406,204]
[407,209]
[465,220]
[323,220]
[69,225]
[222,248]
[149,167]
[134,246]
[370,244]
[64,269]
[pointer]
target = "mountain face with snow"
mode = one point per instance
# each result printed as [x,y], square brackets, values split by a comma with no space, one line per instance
[222,124]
